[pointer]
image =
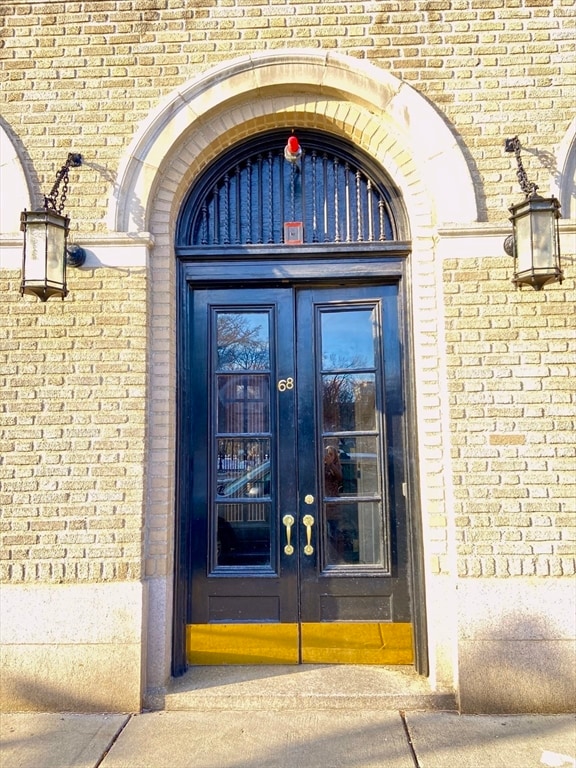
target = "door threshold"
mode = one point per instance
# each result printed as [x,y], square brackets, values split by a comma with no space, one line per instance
[313,686]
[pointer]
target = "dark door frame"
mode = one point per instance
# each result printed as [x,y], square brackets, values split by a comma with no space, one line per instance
[308,266]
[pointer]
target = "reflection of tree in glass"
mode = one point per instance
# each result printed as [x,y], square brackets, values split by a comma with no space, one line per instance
[343,363]
[348,402]
[242,344]
[336,394]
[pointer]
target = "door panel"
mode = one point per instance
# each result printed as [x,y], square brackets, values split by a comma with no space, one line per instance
[298,545]
[354,367]
[241,347]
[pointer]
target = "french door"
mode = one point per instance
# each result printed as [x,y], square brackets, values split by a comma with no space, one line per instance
[297,511]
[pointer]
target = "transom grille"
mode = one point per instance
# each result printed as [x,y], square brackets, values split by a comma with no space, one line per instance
[251,193]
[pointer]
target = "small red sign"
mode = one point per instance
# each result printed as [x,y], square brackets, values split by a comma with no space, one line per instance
[293,232]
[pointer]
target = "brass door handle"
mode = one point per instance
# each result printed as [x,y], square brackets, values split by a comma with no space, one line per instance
[308,521]
[288,521]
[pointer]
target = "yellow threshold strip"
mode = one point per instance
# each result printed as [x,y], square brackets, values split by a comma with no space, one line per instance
[322,643]
[242,643]
[356,643]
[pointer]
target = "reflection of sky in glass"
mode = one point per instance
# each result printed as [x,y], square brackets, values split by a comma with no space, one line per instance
[242,340]
[347,339]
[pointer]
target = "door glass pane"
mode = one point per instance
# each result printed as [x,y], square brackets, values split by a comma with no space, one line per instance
[348,339]
[351,467]
[243,534]
[348,402]
[241,475]
[354,533]
[243,468]
[243,403]
[353,501]
[243,341]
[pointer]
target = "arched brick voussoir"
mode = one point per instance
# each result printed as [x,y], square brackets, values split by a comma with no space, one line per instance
[241,88]
[340,118]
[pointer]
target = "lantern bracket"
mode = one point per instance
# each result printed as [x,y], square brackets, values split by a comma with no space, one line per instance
[51,202]
[529,188]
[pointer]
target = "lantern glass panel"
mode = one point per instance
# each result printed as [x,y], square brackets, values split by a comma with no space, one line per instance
[523,243]
[543,240]
[56,254]
[35,263]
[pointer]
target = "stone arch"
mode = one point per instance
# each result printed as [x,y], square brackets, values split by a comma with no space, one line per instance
[391,120]
[13,178]
[564,186]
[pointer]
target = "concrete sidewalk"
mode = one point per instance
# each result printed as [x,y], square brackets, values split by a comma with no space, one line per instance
[343,738]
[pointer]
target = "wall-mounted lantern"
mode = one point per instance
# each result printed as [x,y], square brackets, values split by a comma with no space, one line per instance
[535,239]
[45,253]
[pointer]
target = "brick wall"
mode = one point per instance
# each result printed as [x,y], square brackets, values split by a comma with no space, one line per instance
[513,421]
[72,430]
[82,74]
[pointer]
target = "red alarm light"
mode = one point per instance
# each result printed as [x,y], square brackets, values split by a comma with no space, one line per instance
[293,150]
[293,144]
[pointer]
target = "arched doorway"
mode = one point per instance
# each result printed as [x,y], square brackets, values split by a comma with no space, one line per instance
[298,538]
[396,126]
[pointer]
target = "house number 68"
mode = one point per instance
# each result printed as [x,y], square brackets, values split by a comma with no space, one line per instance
[285,384]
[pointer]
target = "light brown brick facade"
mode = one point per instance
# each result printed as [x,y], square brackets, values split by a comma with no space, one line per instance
[512,427]
[83,75]
[73,434]
[149,92]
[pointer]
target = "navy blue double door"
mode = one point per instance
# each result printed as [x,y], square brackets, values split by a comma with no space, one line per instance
[296,440]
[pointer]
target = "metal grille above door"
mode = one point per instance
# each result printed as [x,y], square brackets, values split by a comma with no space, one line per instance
[253,196]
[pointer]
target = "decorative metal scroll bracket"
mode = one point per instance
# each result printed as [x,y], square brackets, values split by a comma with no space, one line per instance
[513,145]
[51,201]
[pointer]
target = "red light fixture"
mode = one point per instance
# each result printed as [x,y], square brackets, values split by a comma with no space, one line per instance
[293,150]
